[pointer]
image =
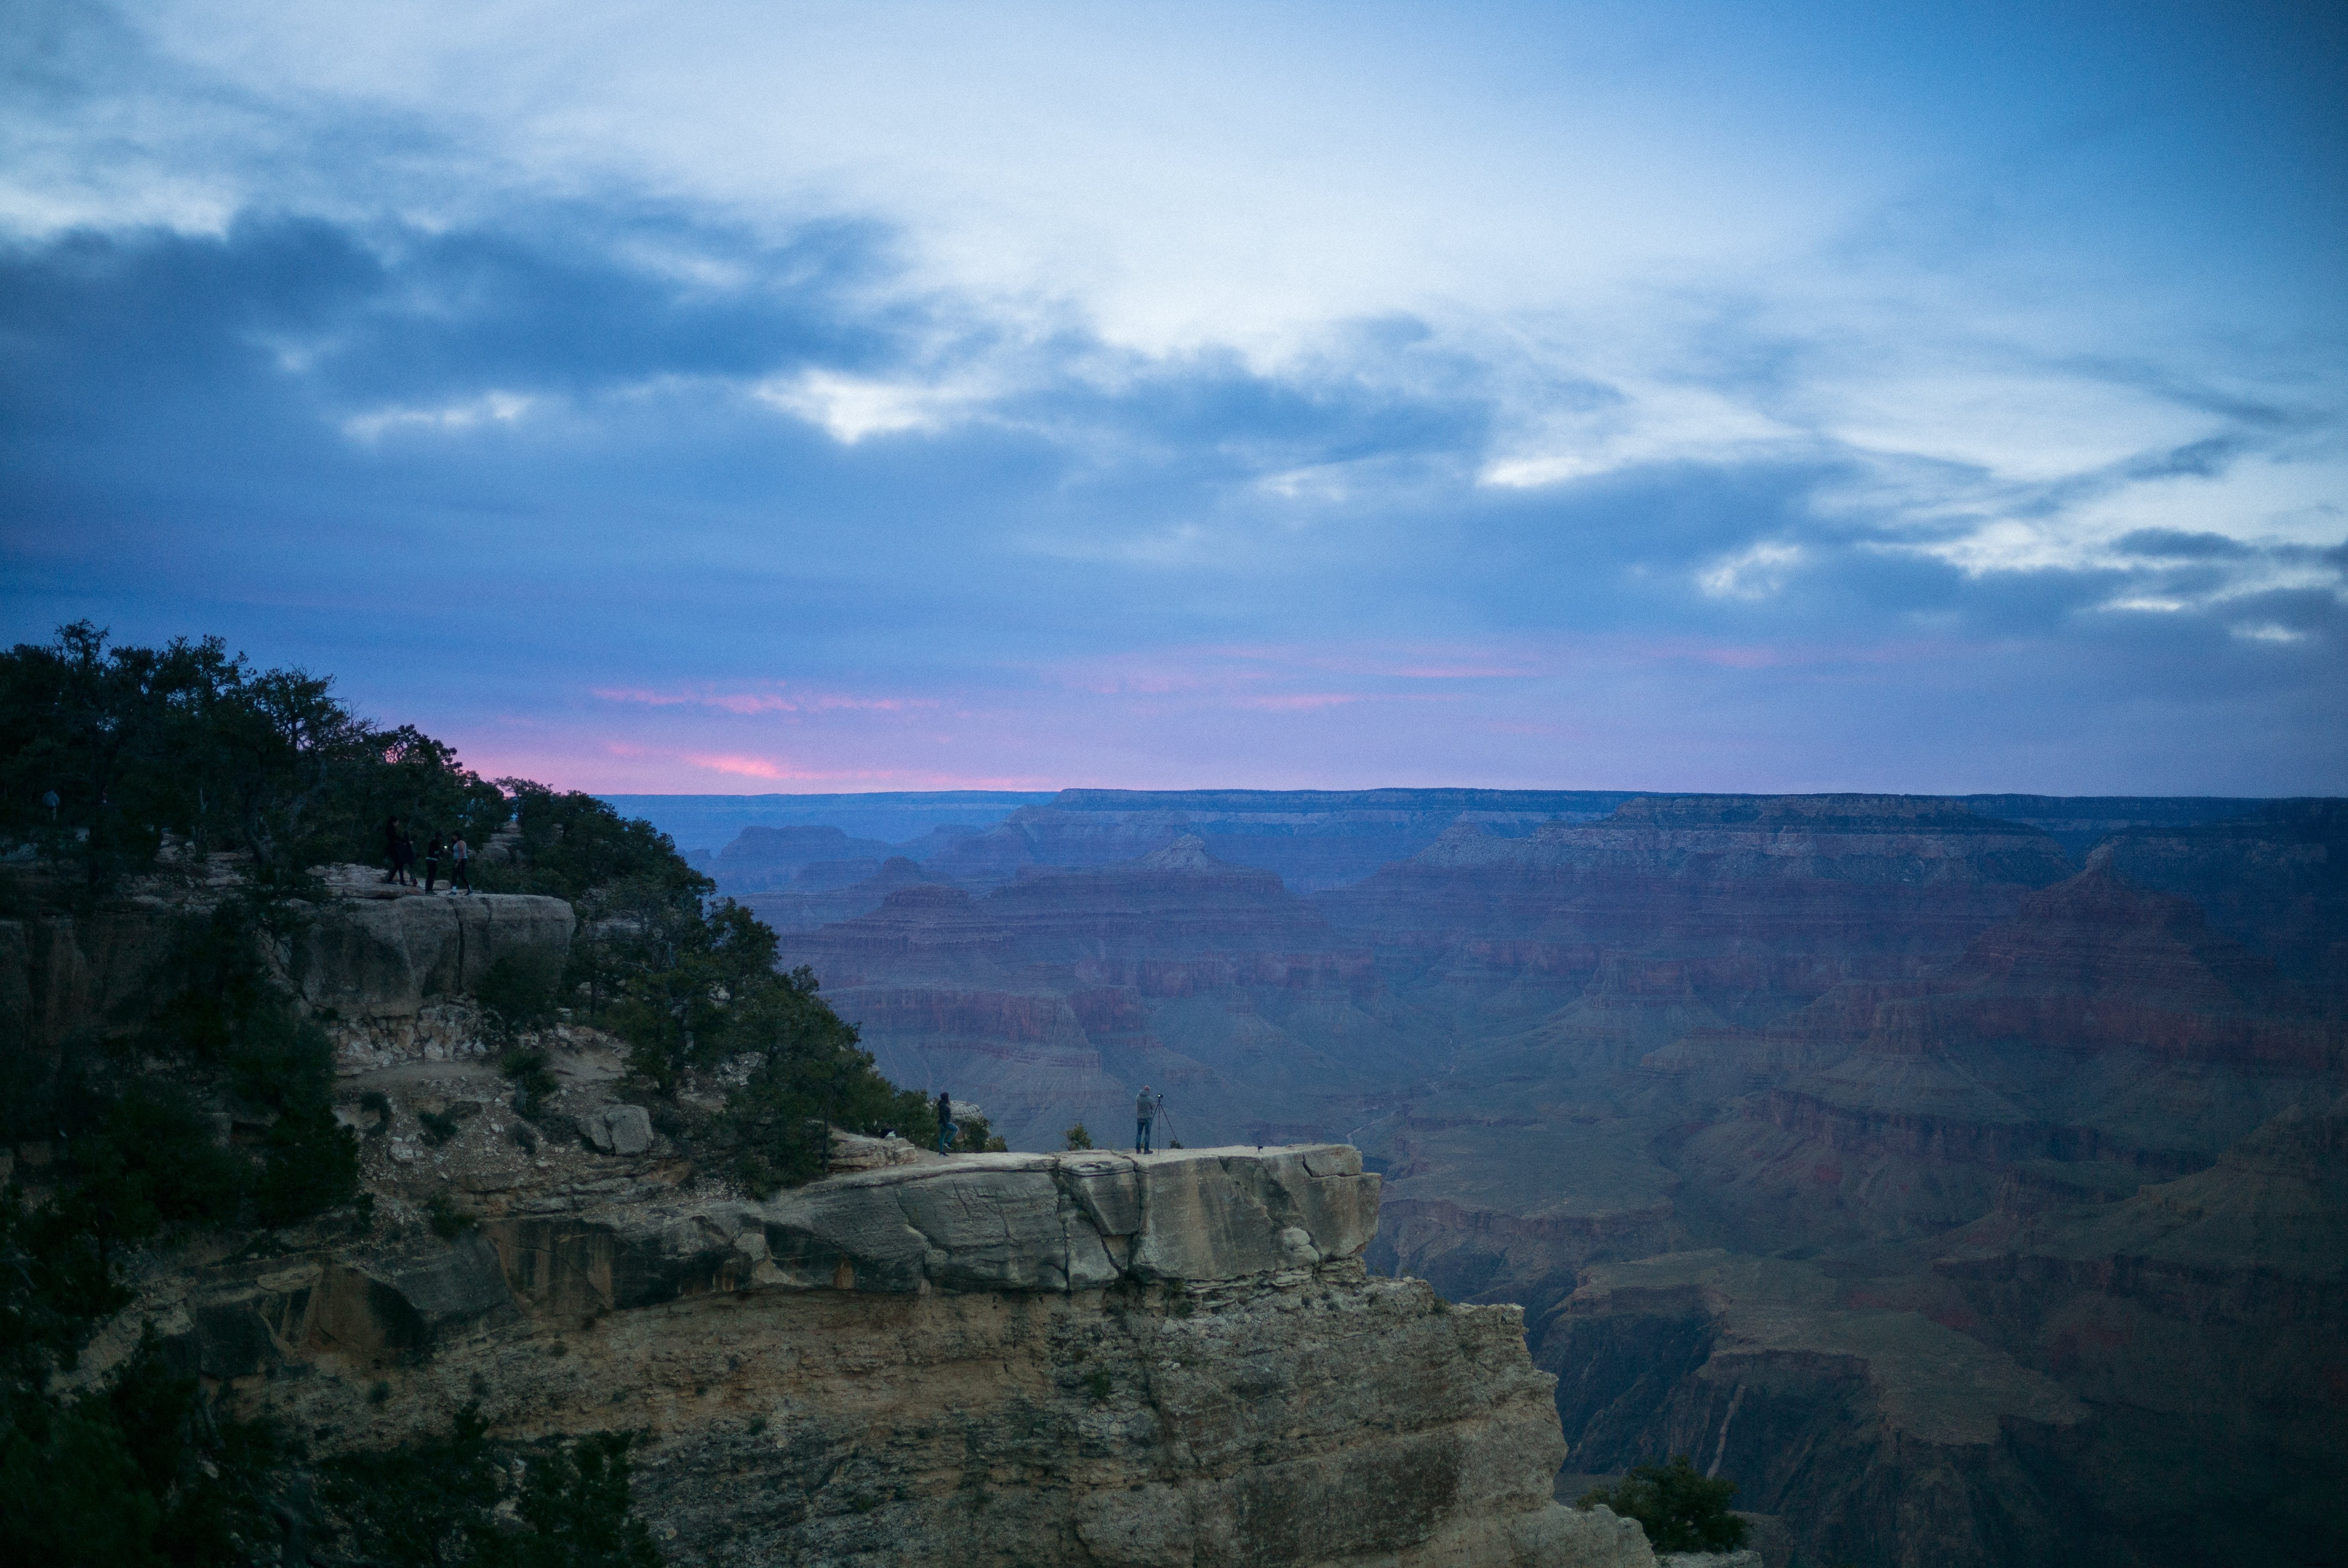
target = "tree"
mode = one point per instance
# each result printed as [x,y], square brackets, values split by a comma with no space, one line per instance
[1680,1509]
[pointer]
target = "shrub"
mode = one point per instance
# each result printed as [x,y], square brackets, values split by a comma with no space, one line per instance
[458,1499]
[517,993]
[448,1221]
[977,1137]
[1078,1138]
[534,1082]
[1679,1510]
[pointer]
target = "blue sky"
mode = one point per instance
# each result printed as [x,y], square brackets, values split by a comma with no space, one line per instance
[738,397]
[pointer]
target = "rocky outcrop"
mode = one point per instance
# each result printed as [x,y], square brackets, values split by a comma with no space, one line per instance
[1077,1360]
[386,967]
[380,954]
[1889,1435]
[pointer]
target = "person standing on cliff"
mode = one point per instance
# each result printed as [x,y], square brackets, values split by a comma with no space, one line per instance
[946,1128]
[460,857]
[391,843]
[1145,1117]
[432,854]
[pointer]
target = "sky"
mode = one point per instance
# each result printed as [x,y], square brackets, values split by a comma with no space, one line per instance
[742,397]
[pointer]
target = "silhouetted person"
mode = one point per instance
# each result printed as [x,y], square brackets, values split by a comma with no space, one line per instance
[946,1128]
[432,854]
[391,843]
[407,858]
[460,857]
[1145,1119]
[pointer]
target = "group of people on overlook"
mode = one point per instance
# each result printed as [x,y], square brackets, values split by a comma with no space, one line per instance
[399,858]
[1146,1108]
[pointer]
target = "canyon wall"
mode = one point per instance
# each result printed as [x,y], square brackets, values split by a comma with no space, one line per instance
[1851,1070]
[386,969]
[1034,1360]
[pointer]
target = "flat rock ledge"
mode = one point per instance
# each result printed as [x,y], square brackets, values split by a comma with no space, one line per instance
[1072,1221]
[1055,1223]
[1079,1360]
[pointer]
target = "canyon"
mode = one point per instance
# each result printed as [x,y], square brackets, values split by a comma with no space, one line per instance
[1916,1162]
[1964,1185]
[1085,1358]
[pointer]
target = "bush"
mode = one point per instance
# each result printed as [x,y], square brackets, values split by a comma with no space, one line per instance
[813,1073]
[518,991]
[1679,1510]
[448,1221]
[534,1082]
[976,1137]
[458,1500]
[1078,1138]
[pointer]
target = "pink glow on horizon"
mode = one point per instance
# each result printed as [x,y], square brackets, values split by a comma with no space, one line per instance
[748,703]
[1593,710]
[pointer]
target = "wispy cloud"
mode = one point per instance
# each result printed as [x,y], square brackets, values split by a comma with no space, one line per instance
[723,395]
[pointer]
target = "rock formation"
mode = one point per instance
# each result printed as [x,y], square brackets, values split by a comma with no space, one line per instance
[1082,1359]
[1894,1054]
[386,967]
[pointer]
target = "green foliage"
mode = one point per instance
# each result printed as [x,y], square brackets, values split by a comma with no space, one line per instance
[189,740]
[438,1126]
[577,847]
[518,991]
[534,1082]
[448,1221]
[140,1473]
[57,1280]
[972,1135]
[574,1501]
[1078,1138]
[435,1504]
[1680,1509]
[811,1072]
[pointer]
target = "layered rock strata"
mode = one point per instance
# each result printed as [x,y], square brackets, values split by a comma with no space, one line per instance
[387,968]
[1082,1359]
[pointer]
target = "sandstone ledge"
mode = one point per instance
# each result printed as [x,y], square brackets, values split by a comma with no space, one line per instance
[1053,1224]
[1084,1359]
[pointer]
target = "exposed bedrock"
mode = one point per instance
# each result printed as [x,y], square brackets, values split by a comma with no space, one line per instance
[1080,1359]
[2276,878]
[1885,1436]
[381,965]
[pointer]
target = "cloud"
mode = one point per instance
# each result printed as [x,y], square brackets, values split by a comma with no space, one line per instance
[649,442]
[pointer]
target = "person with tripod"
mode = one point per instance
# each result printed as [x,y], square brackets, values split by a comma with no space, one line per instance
[1145,1119]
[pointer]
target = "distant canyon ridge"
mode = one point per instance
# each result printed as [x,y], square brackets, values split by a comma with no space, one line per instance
[1963,1177]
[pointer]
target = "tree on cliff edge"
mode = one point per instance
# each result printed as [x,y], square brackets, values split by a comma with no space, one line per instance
[1680,1509]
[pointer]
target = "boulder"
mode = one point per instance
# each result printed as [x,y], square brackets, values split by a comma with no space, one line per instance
[1074,1222]
[618,1129]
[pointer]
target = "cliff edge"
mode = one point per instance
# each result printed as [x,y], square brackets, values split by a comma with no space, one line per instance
[1085,1358]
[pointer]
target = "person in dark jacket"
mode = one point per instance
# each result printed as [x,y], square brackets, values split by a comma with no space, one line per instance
[432,854]
[946,1128]
[391,843]
[1145,1119]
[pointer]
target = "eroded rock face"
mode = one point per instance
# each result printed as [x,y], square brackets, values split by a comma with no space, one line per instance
[1085,1358]
[384,964]
[380,955]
